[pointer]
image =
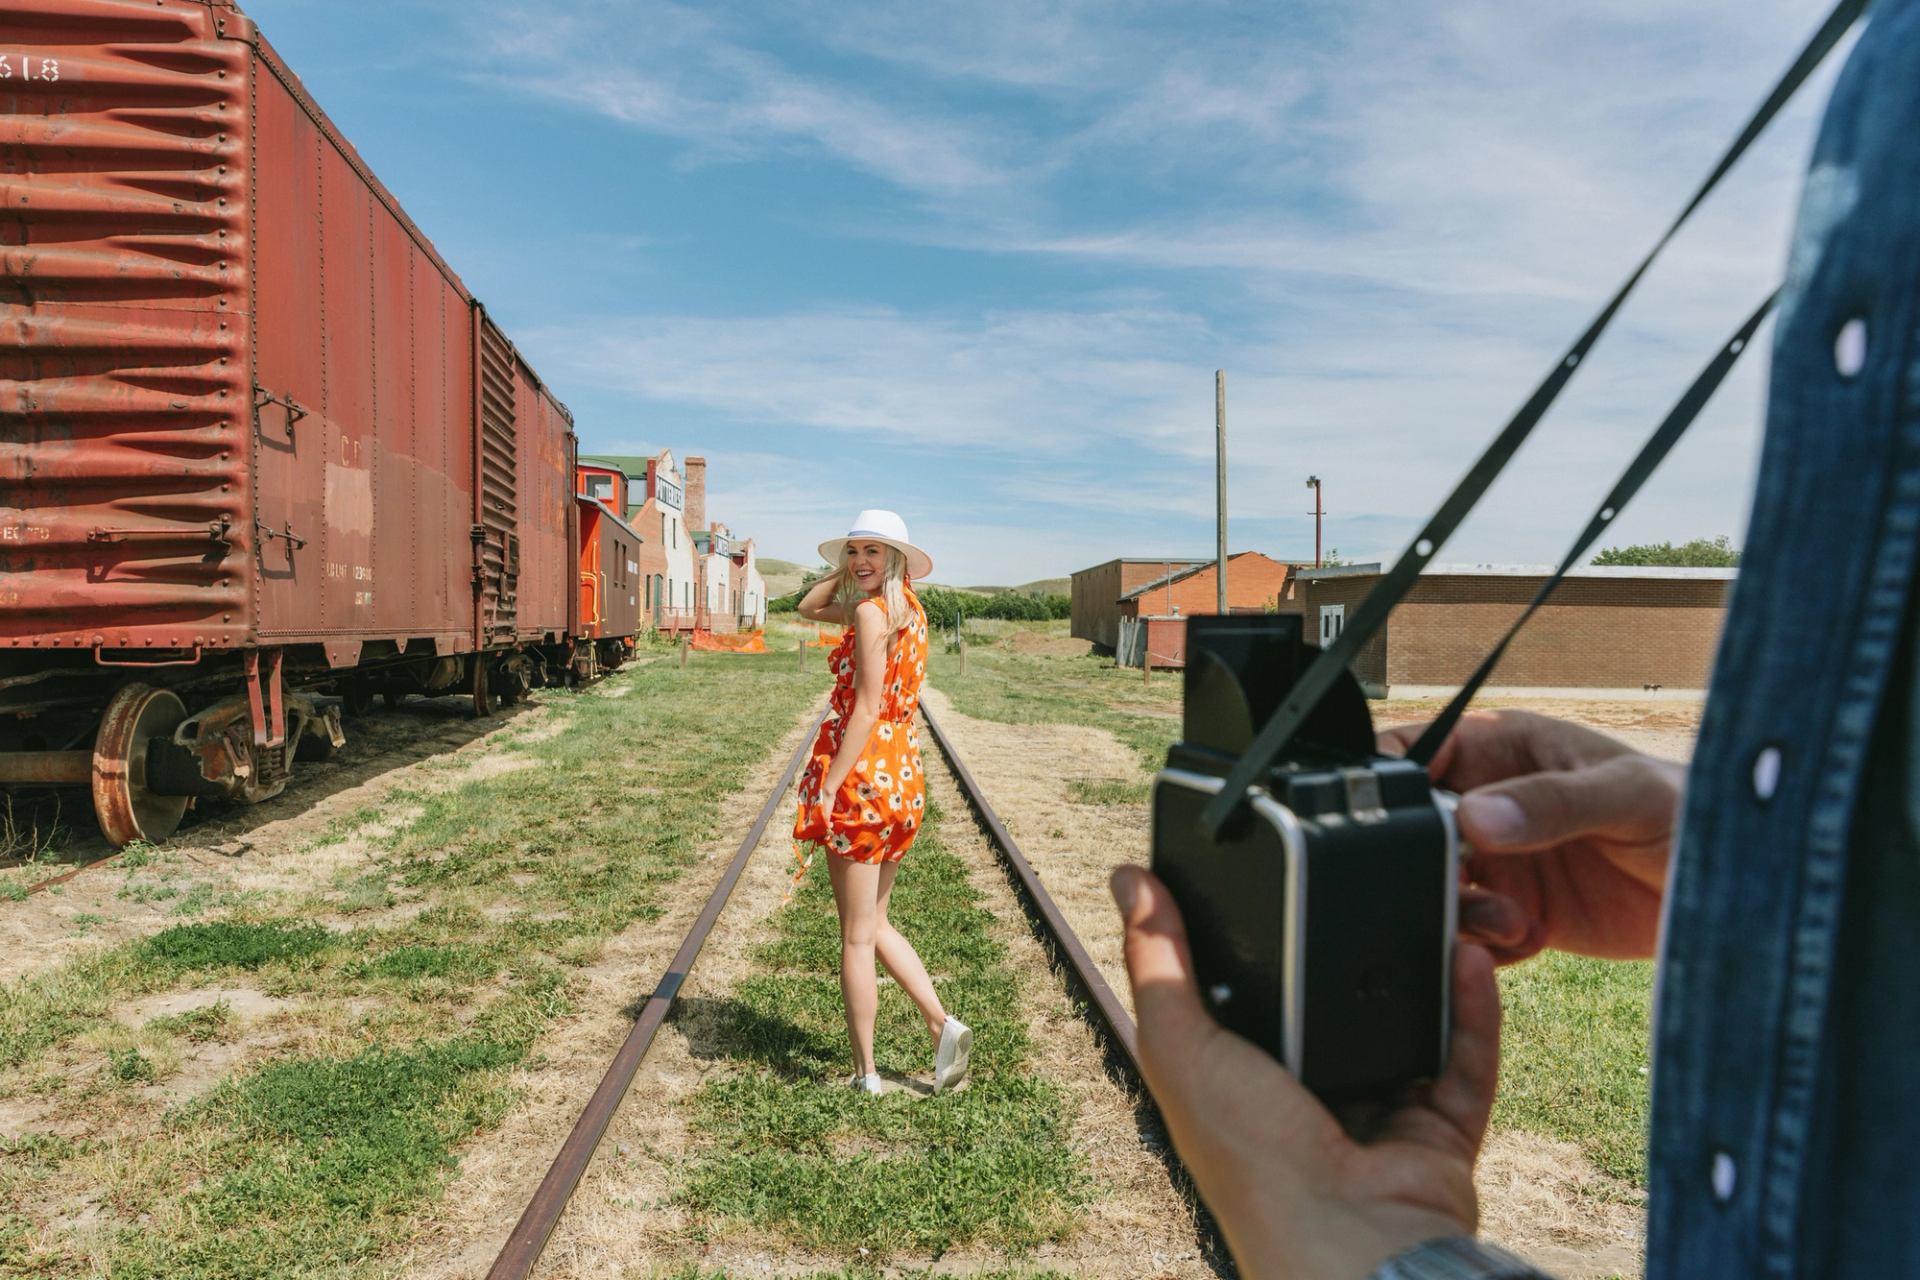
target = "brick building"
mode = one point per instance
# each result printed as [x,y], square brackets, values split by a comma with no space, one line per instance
[749,588]
[1614,628]
[692,574]
[713,555]
[1096,594]
[1146,620]
[1255,583]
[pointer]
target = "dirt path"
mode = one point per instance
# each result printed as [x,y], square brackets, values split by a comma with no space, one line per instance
[1658,726]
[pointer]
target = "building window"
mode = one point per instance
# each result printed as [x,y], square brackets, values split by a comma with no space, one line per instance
[600,487]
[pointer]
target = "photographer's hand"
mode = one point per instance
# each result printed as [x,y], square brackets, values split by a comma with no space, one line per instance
[1570,832]
[1295,1196]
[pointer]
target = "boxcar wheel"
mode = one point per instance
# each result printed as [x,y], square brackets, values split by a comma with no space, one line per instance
[313,748]
[126,810]
[356,698]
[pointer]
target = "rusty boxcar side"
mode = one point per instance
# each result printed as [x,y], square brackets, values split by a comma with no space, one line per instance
[256,437]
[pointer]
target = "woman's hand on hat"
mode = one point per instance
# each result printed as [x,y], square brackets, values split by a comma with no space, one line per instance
[1295,1195]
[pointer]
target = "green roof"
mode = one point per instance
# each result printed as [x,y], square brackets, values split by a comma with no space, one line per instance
[629,463]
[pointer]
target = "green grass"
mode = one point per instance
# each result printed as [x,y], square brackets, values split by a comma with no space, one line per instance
[1109,791]
[303,1163]
[787,1147]
[130,1066]
[1022,688]
[366,893]
[208,1022]
[232,945]
[1574,1056]
[324,1161]
[429,962]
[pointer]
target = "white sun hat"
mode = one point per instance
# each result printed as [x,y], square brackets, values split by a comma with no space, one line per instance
[879,526]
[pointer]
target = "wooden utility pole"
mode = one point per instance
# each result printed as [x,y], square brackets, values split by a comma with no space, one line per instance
[800,654]
[1220,479]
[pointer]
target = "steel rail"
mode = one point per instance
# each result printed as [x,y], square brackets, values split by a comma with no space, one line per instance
[529,1237]
[1113,1014]
[1121,1036]
[65,876]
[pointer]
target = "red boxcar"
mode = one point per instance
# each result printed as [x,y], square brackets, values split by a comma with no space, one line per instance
[259,443]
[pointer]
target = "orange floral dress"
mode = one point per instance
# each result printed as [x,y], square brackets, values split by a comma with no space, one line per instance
[879,808]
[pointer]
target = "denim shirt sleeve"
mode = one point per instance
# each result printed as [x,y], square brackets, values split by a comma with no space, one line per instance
[1752,949]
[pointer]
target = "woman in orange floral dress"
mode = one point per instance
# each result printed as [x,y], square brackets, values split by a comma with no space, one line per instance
[862,795]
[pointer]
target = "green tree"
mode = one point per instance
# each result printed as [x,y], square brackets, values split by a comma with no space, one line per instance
[790,602]
[1701,553]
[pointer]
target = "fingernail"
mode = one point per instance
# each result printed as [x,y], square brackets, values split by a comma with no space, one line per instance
[1124,884]
[1492,918]
[1493,819]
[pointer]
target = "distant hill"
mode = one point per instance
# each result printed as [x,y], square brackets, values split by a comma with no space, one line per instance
[782,576]
[1038,587]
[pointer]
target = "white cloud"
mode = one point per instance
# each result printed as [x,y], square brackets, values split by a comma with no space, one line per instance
[674,71]
[1384,220]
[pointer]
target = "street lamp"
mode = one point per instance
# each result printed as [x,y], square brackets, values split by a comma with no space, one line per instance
[1313,483]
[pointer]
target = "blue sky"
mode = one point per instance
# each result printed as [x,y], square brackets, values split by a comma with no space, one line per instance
[978,261]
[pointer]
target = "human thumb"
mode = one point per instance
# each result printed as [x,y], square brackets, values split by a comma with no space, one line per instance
[1626,797]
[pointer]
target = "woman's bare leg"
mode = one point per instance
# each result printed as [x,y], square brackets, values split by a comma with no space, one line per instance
[902,961]
[856,894]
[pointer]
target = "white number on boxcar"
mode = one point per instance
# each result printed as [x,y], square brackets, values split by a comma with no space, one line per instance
[30,68]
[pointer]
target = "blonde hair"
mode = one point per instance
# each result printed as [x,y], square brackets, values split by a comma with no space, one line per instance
[892,594]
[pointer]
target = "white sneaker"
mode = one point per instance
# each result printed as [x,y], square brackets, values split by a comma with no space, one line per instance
[950,1059]
[870,1083]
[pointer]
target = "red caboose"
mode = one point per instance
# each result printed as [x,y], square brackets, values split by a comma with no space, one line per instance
[609,609]
[261,451]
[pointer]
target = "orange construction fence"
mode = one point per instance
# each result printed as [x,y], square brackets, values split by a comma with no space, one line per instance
[738,642]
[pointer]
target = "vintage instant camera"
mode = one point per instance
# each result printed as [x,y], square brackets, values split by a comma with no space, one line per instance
[1322,917]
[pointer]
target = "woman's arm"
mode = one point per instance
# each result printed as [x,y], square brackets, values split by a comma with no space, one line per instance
[869,675]
[818,605]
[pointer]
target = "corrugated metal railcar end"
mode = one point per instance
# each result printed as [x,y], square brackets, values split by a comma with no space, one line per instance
[125,519]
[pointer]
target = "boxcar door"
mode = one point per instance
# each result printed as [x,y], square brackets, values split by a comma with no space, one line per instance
[496,522]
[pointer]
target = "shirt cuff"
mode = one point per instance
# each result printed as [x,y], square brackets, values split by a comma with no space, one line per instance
[1457,1258]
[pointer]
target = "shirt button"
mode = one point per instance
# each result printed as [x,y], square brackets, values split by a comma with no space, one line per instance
[1724,1176]
[1850,347]
[1766,772]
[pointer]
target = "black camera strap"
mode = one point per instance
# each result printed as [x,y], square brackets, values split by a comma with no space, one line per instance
[1374,610]
[1651,455]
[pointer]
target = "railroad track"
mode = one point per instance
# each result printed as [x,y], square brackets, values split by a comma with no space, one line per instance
[529,1237]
